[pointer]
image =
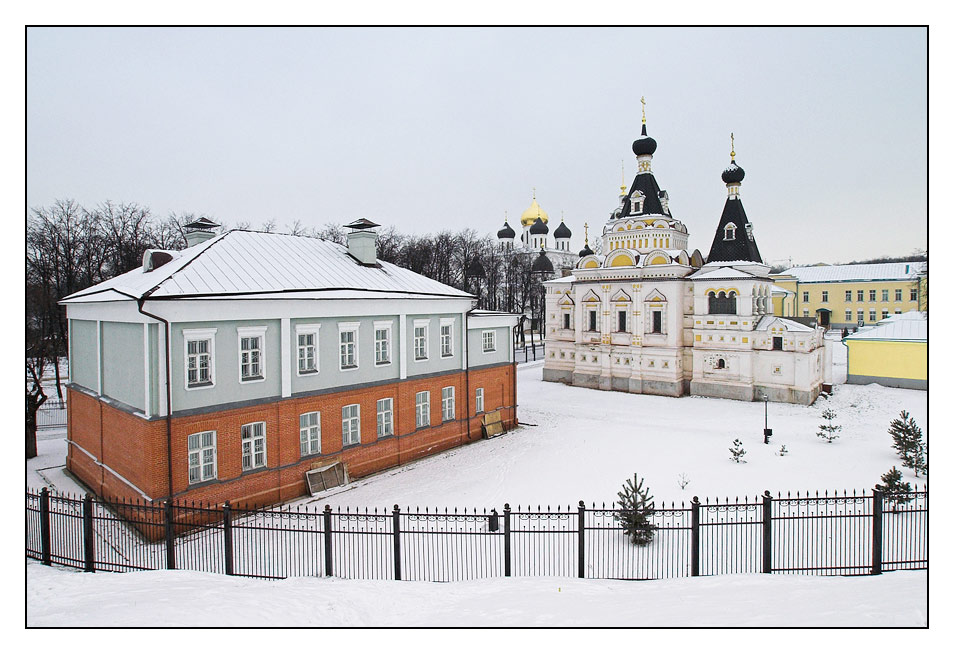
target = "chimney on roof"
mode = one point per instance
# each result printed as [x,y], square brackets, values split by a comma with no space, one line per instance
[199,231]
[362,242]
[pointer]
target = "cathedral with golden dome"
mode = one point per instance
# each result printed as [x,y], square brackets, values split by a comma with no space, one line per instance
[535,240]
[649,315]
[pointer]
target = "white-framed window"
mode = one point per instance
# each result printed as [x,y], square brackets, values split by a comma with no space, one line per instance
[914,294]
[804,296]
[847,296]
[420,339]
[382,342]
[621,320]
[897,295]
[884,295]
[422,409]
[348,345]
[488,339]
[804,313]
[593,324]
[199,357]
[350,424]
[824,296]
[872,314]
[385,417]
[309,432]
[447,404]
[307,337]
[884,313]
[848,315]
[479,400]
[201,456]
[730,232]
[251,354]
[897,312]
[447,337]
[253,446]
[872,294]
[860,295]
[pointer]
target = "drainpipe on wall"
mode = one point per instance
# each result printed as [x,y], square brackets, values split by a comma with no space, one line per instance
[139,302]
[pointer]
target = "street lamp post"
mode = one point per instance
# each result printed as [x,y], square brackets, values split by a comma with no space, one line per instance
[766,432]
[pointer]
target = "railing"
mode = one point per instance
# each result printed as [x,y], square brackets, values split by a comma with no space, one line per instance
[51,413]
[821,534]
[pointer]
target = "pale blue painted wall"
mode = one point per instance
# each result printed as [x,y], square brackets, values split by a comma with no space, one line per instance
[475,347]
[83,351]
[123,363]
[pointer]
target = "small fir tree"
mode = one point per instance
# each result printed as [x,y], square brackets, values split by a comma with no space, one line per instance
[909,443]
[827,430]
[736,451]
[896,492]
[635,511]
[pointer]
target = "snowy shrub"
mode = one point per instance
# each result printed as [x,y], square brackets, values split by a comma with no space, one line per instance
[737,452]
[783,451]
[635,511]
[827,430]
[909,443]
[896,492]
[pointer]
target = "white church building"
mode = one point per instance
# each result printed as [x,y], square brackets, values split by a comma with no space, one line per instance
[646,316]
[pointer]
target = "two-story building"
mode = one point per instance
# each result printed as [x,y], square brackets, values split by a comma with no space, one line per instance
[227,370]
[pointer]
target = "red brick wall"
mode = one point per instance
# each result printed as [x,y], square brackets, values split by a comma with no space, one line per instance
[135,448]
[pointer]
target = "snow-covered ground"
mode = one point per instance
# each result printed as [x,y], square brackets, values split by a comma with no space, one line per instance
[57,597]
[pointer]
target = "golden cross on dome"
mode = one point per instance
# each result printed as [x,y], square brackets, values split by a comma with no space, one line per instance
[732,136]
[643,100]
[586,229]
[622,184]
[534,192]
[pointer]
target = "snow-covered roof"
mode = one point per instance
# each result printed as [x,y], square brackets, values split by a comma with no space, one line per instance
[721,273]
[569,279]
[243,262]
[767,321]
[892,330]
[907,315]
[778,290]
[857,272]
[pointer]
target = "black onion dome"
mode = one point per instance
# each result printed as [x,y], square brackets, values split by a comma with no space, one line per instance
[542,264]
[539,227]
[733,174]
[586,251]
[506,231]
[644,144]
[562,231]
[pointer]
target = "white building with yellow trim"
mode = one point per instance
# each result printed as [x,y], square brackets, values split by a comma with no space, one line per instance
[649,317]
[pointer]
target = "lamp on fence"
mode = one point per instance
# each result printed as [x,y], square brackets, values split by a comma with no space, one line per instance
[766,432]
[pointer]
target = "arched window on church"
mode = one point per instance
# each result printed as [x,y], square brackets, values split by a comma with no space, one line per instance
[722,304]
[720,364]
[730,232]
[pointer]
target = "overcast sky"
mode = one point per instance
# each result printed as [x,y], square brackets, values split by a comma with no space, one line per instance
[427,129]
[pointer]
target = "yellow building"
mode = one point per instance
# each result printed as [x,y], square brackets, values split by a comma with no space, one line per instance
[891,353]
[849,295]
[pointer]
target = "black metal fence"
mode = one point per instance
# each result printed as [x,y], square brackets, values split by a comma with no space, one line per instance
[51,413]
[821,534]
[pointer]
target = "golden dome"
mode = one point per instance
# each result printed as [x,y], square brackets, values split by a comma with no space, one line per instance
[530,215]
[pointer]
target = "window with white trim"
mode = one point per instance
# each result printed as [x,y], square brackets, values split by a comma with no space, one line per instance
[914,294]
[385,417]
[730,232]
[447,337]
[447,404]
[824,296]
[422,409]
[872,294]
[348,345]
[201,456]
[860,295]
[350,424]
[309,432]
[307,336]
[847,296]
[897,295]
[251,353]
[382,343]
[848,315]
[488,339]
[199,357]
[479,401]
[884,313]
[253,446]
[872,315]
[884,295]
[420,339]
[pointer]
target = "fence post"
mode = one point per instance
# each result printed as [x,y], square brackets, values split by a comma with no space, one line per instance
[170,537]
[506,540]
[877,513]
[494,521]
[227,525]
[88,552]
[327,529]
[694,551]
[767,532]
[45,552]
[397,542]
[581,543]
